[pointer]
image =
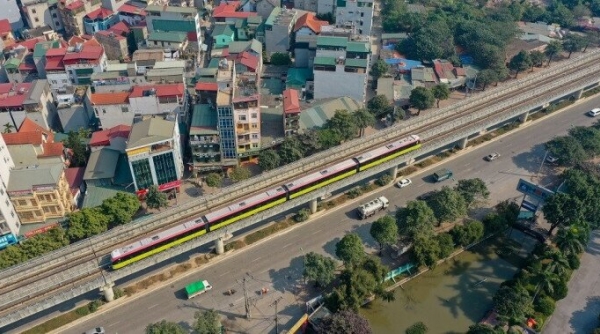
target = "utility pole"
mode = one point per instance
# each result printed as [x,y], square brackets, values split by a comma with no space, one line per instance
[276,302]
[246,301]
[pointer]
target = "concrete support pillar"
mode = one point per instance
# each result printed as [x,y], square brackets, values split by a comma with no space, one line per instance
[410,161]
[462,144]
[394,172]
[524,117]
[482,132]
[313,206]
[578,94]
[107,291]
[219,246]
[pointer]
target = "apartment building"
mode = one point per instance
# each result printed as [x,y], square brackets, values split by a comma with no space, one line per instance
[204,138]
[278,29]
[291,112]
[9,220]
[33,100]
[355,14]
[114,44]
[7,37]
[341,68]
[154,153]
[40,193]
[99,20]
[33,145]
[41,13]
[10,11]
[72,12]
[175,20]
[83,59]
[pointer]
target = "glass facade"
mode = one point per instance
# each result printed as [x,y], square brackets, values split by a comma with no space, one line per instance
[227,132]
[164,166]
[142,173]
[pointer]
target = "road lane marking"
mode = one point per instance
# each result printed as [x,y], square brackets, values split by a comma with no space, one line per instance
[287,245]
[317,231]
[225,273]
[256,259]
[153,306]
[114,323]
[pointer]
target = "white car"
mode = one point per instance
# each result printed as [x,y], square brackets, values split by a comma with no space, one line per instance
[492,157]
[594,112]
[551,159]
[403,183]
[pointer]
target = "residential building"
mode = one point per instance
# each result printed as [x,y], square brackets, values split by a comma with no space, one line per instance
[112,109]
[397,91]
[9,220]
[423,77]
[308,5]
[316,116]
[114,138]
[355,14]
[341,68]
[204,138]
[154,152]
[265,7]
[72,12]
[229,12]
[7,38]
[11,12]
[32,145]
[39,55]
[297,78]
[291,112]
[540,31]
[447,74]
[121,77]
[101,168]
[158,99]
[222,34]
[172,42]
[54,68]
[74,178]
[11,65]
[75,111]
[114,44]
[249,28]
[308,24]
[40,193]
[278,29]
[99,20]
[40,13]
[33,100]
[174,19]
[132,14]
[47,33]
[82,60]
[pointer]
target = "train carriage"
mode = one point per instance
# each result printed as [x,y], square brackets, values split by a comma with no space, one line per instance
[388,152]
[322,178]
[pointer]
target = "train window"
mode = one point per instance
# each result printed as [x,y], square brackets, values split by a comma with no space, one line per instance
[323,172]
[243,204]
[198,221]
[156,237]
[289,185]
[390,146]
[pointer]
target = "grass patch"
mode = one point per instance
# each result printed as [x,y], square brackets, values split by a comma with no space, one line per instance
[591,92]
[236,244]
[428,162]
[200,260]
[65,319]
[368,187]
[408,170]
[265,232]
[325,205]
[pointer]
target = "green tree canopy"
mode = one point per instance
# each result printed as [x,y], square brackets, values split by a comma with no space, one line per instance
[483,329]
[268,159]
[385,231]
[571,239]
[240,173]
[328,138]
[33,247]
[567,149]
[379,105]
[86,223]
[588,137]
[486,77]
[417,328]
[440,92]
[553,49]
[156,199]
[426,249]
[165,327]
[121,208]
[446,244]
[416,217]
[281,59]
[379,69]
[290,150]
[78,153]
[472,190]
[344,322]
[447,205]
[537,58]
[350,250]
[520,62]
[363,119]
[467,234]
[432,40]
[573,43]
[421,98]
[207,322]
[343,124]
[213,179]
[512,302]
[319,268]
[561,210]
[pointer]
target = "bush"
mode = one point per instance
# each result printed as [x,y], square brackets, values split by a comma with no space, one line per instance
[417,328]
[213,180]
[545,306]
[574,261]
[82,311]
[302,215]
[560,290]
[93,306]
[118,293]
[354,193]
[384,180]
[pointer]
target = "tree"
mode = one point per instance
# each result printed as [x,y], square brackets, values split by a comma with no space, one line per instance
[78,151]
[328,138]
[385,231]
[207,322]
[588,137]
[568,150]
[268,159]
[569,239]
[520,62]
[472,189]
[121,208]
[447,205]
[86,223]
[561,209]
[8,128]
[165,327]
[379,69]
[281,59]
[512,302]
[363,120]
[379,105]
[290,150]
[446,244]
[156,199]
[417,328]
[483,329]
[553,49]
[416,217]
[440,92]
[350,250]
[344,322]
[33,247]
[319,268]
[537,58]
[213,179]
[486,77]
[426,250]
[240,173]
[421,98]
[573,43]
[432,40]
[342,123]
[467,234]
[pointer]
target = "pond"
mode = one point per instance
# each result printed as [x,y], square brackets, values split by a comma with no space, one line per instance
[454,295]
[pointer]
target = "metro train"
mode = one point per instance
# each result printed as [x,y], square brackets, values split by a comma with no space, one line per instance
[259,202]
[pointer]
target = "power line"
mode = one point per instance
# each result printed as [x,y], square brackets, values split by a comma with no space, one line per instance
[246,301]
[276,302]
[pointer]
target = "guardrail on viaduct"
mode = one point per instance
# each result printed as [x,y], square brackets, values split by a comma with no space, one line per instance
[467,126]
[72,251]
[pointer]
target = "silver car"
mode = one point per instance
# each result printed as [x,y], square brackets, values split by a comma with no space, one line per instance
[97,330]
[492,157]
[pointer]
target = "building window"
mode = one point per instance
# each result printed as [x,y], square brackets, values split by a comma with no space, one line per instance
[242,117]
[254,115]
[36,19]
[7,202]
[33,11]
[34,202]
[255,126]
[22,202]
[54,15]
[12,214]
[124,109]
[65,81]
[142,173]
[164,166]
[254,136]
[54,82]
[104,111]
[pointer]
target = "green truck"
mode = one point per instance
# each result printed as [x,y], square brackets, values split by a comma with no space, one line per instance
[197,288]
[442,174]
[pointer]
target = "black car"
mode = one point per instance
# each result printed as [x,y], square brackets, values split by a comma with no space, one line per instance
[425,196]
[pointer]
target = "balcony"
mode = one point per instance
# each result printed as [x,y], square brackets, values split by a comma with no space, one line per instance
[160,148]
[199,140]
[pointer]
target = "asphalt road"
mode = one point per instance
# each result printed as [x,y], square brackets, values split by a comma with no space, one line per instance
[276,263]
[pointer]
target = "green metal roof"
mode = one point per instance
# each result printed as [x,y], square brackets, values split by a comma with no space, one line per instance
[12,63]
[222,29]
[324,61]
[271,19]
[204,120]
[167,36]
[297,77]
[340,42]
[174,25]
[356,63]
[358,47]
[40,48]
[172,9]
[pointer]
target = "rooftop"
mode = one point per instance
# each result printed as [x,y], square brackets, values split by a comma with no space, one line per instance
[291,101]
[74,176]
[100,13]
[167,36]
[102,138]
[131,9]
[171,9]
[149,54]
[207,86]
[204,120]
[164,90]
[87,52]
[14,96]
[150,131]
[281,17]
[101,164]
[222,29]
[317,115]
[27,179]
[109,98]
[332,41]
[5,26]
[310,21]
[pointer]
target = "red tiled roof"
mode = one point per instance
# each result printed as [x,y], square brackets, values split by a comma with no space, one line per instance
[291,101]
[30,126]
[131,9]
[29,44]
[13,97]
[192,37]
[248,60]
[208,86]
[56,52]
[161,90]
[87,52]
[120,28]
[107,33]
[74,176]
[459,71]
[109,98]
[27,66]
[52,150]
[29,133]
[74,5]
[102,138]
[5,26]
[229,10]
[310,21]
[100,13]
[54,63]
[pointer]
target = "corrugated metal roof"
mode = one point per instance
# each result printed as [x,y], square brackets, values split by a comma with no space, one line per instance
[150,131]
[318,115]
[25,179]
[324,61]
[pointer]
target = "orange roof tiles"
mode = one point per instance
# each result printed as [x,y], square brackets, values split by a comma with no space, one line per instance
[102,138]
[52,149]
[207,86]
[310,21]
[291,101]
[100,13]
[5,26]
[161,90]
[109,98]
[74,176]
[120,28]
[29,133]
[131,9]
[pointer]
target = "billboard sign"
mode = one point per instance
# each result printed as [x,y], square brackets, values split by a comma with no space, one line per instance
[534,190]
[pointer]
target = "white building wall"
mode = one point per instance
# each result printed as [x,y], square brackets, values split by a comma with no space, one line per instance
[9,220]
[113,115]
[340,83]
[356,14]
[325,6]
[11,11]
[58,80]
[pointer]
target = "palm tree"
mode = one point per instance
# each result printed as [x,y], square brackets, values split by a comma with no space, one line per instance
[568,240]
[8,128]
[557,262]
